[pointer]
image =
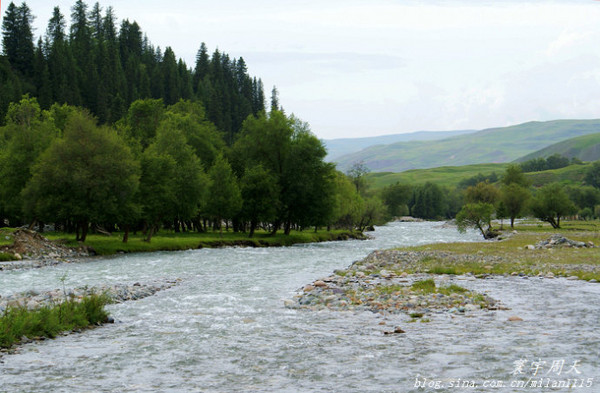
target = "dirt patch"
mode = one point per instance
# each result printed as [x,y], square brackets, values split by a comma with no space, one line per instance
[29,244]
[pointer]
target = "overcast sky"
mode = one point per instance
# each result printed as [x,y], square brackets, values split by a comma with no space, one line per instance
[365,68]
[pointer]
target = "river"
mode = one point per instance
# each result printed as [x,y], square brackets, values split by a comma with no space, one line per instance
[224,329]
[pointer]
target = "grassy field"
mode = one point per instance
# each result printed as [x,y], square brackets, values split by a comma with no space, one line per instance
[444,176]
[170,241]
[512,255]
[450,176]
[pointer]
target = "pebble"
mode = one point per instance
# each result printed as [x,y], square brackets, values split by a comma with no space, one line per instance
[117,293]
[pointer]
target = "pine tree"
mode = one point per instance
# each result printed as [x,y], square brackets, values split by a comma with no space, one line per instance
[17,38]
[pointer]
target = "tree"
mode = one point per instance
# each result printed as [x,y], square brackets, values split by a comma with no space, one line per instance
[188,183]
[28,133]
[514,174]
[476,215]
[348,204]
[592,176]
[482,192]
[260,195]
[357,174]
[514,198]
[428,201]
[551,203]
[17,38]
[88,175]
[396,197]
[225,197]
[158,189]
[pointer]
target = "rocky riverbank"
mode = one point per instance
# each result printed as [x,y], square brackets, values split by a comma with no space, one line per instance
[391,281]
[32,250]
[381,283]
[116,293]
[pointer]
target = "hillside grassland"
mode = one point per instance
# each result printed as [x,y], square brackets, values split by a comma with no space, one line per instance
[586,148]
[443,176]
[513,255]
[497,145]
[171,241]
[451,176]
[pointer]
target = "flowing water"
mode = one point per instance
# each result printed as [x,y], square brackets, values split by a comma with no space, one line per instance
[225,329]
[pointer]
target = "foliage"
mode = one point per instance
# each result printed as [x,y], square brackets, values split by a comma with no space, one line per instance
[357,174]
[479,178]
[514,175]
[555,161]
[89,175]
[225,198]
[28,133]
[475,215]
[592,175]
[428,201]
[514,198]
[19,322]
[397,197]
[551,203]
[482,192]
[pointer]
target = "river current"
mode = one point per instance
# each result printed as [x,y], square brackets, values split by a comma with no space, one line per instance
[224,328]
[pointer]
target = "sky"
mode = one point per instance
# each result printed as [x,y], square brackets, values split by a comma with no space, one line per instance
[365,68]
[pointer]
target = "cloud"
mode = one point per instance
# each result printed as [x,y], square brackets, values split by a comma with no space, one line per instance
[332,62]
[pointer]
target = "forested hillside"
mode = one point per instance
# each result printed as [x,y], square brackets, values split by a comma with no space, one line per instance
[102,131]
[103,65]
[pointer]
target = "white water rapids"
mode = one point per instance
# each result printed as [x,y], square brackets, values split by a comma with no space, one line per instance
[225,329]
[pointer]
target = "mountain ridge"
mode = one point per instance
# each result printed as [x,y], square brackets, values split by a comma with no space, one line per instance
[492,145]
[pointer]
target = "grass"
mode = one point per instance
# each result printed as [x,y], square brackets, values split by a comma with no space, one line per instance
[6,237]
[451,176]
[170,241]
[512,254]
[448,176]
[48,322]
[428,286]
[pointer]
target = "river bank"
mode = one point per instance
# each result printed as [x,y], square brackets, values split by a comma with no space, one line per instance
[29,249]
[391,281]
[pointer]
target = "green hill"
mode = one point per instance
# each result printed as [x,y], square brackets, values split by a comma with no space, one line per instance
[586,148]
[444,176]
[450,176]
[495,145]
[339,147]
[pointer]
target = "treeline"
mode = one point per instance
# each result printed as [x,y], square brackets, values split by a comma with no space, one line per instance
[169,167]
[477,200]
[103,67]
[555,161]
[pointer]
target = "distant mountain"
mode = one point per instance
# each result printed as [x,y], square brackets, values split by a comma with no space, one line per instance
[586,148]
[494,145]
[342,146]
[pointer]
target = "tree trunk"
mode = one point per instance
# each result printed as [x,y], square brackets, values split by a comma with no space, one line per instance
[84,231]
[288,228]
[252,228]
[275,228]
[150,233]
[512,222]
[126,234]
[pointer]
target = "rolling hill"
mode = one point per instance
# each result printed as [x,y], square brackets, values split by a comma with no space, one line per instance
[586,148]
[342,146]
[494,145]
[451,176]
